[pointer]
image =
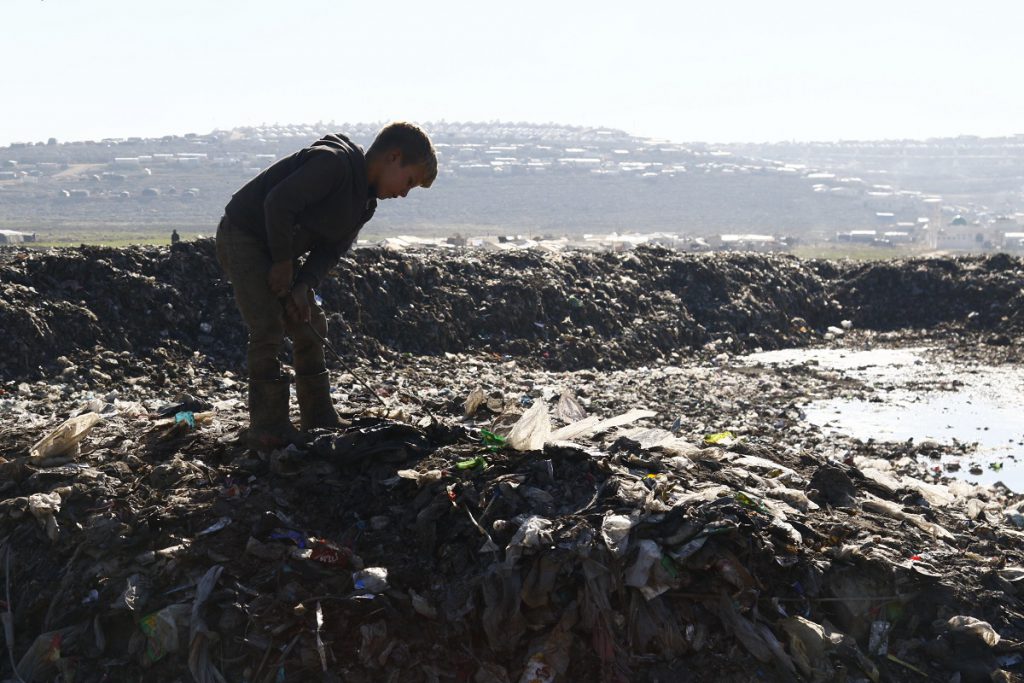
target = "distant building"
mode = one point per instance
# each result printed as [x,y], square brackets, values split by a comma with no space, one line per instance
[16,237]
[746,242]
[1013,241]
[859,236]
[960,235]
[897,237]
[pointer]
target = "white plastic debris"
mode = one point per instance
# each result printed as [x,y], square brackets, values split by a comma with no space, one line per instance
[975,508]
[44,507]
[421,478]
[569,409]
[532,533]
[977,627]
[532,430]
[65,438]
[473,401]
[371,580]
[877,505]
[615,532]
[134,593]
[664,440]
[641,574]
[594,425]
[576,429]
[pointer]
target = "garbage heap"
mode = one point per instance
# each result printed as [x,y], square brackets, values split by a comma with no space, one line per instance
[976,293]
[484,536]
[480,519]
[567,311]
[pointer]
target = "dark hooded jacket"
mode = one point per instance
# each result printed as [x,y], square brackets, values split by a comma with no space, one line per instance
[315,200]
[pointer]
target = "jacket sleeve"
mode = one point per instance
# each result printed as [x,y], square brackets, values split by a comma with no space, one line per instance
[309,183]
[325,256]
[320,260]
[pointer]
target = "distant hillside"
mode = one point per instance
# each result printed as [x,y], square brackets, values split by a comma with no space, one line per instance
[984,176]
[495,178]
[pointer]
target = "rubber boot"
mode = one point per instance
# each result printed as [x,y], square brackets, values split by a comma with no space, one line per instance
[269,426]
[316,409]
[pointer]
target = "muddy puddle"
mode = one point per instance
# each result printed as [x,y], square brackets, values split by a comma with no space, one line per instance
[971,412]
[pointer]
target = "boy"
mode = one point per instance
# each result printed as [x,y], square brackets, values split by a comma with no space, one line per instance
[313,202]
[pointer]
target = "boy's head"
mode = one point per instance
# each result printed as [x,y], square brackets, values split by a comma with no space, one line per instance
[400,158]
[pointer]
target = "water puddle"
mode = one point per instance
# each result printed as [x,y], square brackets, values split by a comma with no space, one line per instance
[980,405]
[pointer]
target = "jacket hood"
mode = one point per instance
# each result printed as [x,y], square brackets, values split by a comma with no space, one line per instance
[338,141]
[343,146]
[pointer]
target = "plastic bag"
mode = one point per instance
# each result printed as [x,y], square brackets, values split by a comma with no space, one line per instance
[162,630]
[44,507]
[532,429]
[615,532]
[646,572]
[532,533]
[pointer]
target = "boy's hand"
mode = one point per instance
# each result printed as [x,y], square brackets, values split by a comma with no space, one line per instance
[296,306]
[280,278]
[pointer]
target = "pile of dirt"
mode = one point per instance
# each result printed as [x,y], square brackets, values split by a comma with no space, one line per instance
[979,293]
[568,310]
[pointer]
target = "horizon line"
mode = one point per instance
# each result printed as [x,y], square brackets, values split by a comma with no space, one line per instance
[443,122]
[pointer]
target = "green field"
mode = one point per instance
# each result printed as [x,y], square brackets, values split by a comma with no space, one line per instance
[856,252]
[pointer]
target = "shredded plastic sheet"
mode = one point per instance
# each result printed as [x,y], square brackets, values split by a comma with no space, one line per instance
[532,533]
[595,425]
[532,430]
[647,572]
[873,504]
[201,638]
[65,438]
[569,409]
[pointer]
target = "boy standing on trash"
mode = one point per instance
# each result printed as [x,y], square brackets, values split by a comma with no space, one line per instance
[311,203]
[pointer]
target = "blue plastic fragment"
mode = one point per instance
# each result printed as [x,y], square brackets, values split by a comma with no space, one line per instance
[186,416]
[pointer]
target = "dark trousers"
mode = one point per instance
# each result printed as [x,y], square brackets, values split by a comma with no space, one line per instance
[246,261]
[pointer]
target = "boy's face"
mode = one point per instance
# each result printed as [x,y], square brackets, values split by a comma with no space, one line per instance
[394,179]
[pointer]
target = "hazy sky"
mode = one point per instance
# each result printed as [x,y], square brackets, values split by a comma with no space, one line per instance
[731,70]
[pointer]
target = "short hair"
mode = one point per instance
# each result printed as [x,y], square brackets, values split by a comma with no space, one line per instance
[412,142]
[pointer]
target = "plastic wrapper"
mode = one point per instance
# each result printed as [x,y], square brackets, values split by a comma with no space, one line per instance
[65,438]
